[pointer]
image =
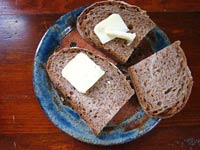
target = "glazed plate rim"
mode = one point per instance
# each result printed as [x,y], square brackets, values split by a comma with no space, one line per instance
[56,111]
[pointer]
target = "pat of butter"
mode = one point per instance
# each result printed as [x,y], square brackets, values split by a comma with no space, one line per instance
[113,27]
[82,72]
[123,35]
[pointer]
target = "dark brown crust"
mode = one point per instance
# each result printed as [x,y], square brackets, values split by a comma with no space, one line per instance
[117,48]
[168,112]
[171,112]
[78,100]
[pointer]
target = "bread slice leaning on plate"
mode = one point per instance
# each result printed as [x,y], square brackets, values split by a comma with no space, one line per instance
[163,81]
[103,100]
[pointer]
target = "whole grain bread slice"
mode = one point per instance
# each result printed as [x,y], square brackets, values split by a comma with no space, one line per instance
[163,81]
[103,100]
[135,18]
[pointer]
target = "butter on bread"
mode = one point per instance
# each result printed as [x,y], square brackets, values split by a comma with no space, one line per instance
[135,18]
[103,100]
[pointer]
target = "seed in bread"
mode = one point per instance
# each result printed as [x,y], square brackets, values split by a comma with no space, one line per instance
[103,100]
[163,81]
[135,18]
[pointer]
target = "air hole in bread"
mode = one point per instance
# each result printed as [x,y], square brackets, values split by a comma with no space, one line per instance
[96,57]
[158,70]
[118,72]
[121,7]
[130,26]
[110,65]
[110,3]
[68,98]
[125,42]
[129,79]
[102,7]
[148,91]
[71,93]
[91,12]
[159,103]
[100,4]
[165,106]
[137,9]
[147,108]
[168,90]
[86,33]
[155,112]
[177,103]
[85,18]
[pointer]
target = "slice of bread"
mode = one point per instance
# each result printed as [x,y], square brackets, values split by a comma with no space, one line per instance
[135,18]
[163,81]
[103,100]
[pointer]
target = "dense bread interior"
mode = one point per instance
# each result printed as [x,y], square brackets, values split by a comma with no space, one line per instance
[136,20]
[163,81]
[102,101]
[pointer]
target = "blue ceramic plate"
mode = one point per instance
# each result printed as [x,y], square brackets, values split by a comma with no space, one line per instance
[63,116]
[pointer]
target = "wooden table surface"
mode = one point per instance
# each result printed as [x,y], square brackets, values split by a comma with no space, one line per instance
[24,125]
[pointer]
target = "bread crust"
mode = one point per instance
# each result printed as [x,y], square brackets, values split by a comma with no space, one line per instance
[135,18]
[175,105]
[103,100]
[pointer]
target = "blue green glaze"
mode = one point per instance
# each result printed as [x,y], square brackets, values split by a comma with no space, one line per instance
[63,116]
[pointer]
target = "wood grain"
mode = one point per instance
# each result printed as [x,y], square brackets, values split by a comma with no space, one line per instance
[63,6]
[23,124]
